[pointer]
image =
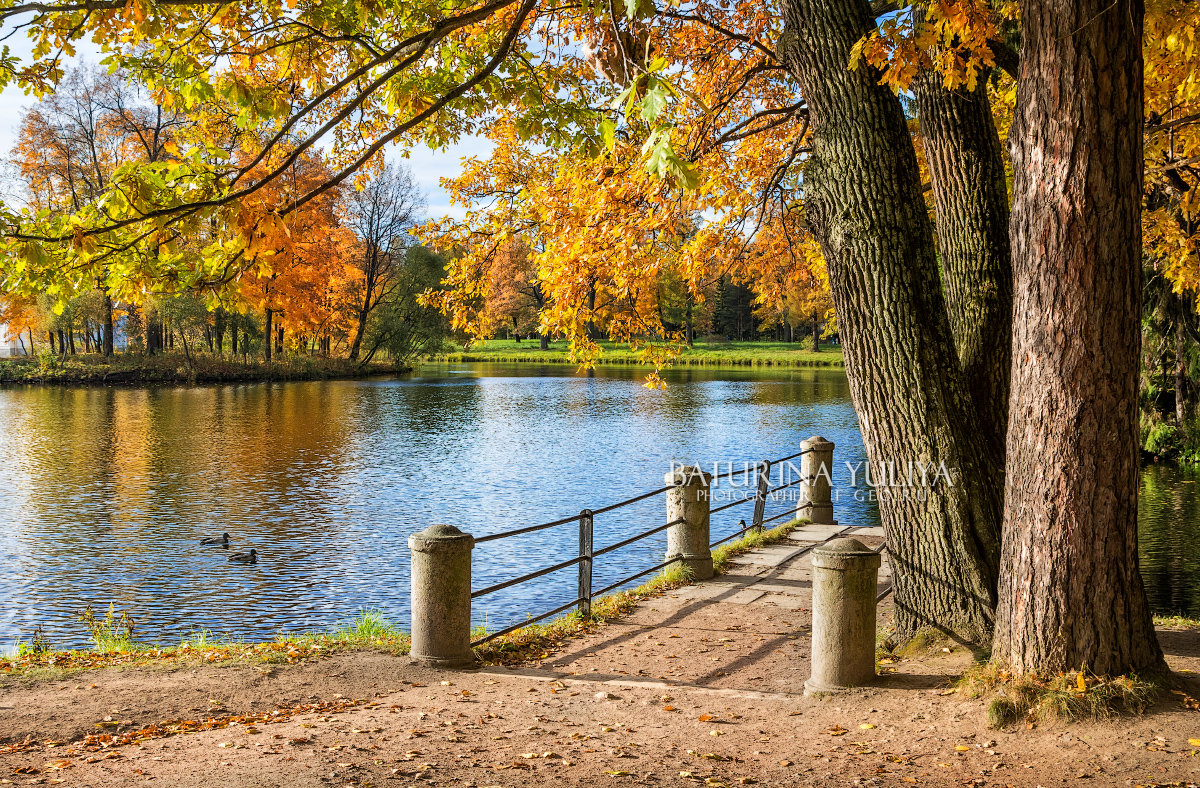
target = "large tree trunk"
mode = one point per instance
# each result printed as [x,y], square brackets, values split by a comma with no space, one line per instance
[970,195]
[864,204]
[1071,595]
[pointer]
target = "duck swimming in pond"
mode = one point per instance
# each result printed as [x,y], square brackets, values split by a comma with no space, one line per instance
[244,558]
[223,540]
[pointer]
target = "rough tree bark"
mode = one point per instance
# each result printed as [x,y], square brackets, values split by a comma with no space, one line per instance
[863,202]
[1071,595]
[970,195]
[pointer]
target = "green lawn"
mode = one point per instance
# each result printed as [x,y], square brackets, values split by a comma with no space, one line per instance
[176,367]
[703,354]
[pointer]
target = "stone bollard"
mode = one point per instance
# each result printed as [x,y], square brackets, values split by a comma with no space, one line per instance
[816,492]
[441,597]
[688,540]
[844,576]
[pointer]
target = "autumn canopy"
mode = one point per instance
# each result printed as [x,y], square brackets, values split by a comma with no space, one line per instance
[837,154]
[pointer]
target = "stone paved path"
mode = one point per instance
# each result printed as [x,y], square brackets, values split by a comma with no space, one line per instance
[745,630]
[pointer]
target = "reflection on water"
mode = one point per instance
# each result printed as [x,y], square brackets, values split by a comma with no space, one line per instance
[105,493]
[1169,538]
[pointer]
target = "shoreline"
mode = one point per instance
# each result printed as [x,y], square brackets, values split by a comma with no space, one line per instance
[174,370]
[702,354]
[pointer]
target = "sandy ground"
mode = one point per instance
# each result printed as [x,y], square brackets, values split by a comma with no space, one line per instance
[702,687]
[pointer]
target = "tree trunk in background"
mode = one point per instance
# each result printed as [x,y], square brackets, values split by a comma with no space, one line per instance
[360,328]
[108,325]
[219,331]
[1181,377]
[864,204]
[816,337]
[545,341]
[970,195]
[267,336]
[153,332]
[689,322]
[279,341]
[1071,595]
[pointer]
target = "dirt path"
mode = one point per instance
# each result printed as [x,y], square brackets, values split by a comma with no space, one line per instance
[699,687]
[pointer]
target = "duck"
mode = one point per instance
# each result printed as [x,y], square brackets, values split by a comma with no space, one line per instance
[244,558]
[223,540]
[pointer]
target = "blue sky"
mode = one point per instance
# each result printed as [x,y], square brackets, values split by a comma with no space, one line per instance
[428,166]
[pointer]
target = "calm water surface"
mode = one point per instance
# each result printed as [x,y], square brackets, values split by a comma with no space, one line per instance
[104,493]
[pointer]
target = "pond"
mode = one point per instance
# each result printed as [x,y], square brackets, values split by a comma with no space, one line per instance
[107,492]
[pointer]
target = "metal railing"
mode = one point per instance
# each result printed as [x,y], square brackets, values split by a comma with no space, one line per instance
[585,559]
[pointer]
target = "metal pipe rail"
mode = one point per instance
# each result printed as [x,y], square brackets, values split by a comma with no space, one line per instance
[587,554]
[528,530]
[632,539]
[761,494]
[522,624]
[747,469]
[523,578]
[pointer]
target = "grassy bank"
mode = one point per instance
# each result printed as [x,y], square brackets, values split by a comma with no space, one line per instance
[115,646]
[703,354]
[177,368]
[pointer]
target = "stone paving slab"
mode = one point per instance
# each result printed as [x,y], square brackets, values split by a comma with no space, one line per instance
[745,597]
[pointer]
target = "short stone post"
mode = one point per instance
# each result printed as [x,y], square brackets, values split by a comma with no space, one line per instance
[844,577]
[689,501]
[816,492]
[441,597]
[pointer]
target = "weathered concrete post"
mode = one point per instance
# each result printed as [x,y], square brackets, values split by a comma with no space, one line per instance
[816,492]
[441,597]
[689,501]
[844,577]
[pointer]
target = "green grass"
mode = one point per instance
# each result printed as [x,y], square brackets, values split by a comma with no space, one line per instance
[370,627]
[1066,696]
[703,354]
[115,646]
[124,369]
[723,554]
[1177,622]
[113,633]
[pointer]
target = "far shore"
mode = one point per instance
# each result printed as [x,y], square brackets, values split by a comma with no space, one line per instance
[702,354]
[176,368]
